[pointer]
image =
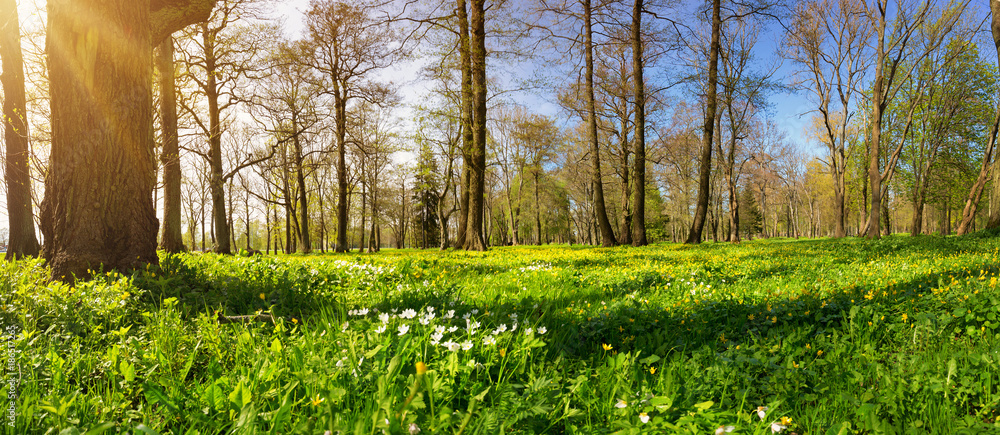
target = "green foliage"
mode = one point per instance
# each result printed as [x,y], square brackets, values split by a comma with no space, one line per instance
[899,335]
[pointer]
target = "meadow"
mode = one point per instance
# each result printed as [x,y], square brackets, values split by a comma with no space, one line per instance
[843,336]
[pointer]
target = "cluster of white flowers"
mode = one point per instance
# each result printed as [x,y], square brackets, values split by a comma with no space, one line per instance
[534,267]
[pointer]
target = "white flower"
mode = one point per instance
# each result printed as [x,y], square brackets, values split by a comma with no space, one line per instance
[528,331]
[384,317]
[451,345]
[488,340]
[343,327]
[466,316]
[643,417]
[777,427]
[512,316]
[440,329]
[761,412]
[361,312]
[450,314]
[453,329]
[403,329]
[724,429]
[380,329]
[621,404]
[426,320]
[430,310]
[513,328]
[436,338]
[502,328]
[475,311]
[408,313]
[414,429]
[542,330]
[466,345]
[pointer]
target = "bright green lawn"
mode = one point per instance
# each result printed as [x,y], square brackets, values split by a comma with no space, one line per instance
[839,336]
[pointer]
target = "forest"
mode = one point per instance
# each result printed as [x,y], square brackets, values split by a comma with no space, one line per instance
[503,216]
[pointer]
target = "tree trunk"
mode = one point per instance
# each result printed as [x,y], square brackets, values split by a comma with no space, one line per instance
[538,211]
[305,245]
[98,210]
[474,237]
[607,233]
[340,105]
[22,240]
[170,238]
[467,135]
[701,208]
[639,168]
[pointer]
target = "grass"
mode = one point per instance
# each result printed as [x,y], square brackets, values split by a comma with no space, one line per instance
[831,336]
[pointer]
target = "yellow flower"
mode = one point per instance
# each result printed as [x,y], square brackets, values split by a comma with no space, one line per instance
[606,346]
[503,352]
[262,296]
[317,400]
[904,317]
[421,368]
[652,370]
[819,352]
[786,421]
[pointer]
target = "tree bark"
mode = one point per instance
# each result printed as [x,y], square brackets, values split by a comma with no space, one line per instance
[474,237]
[98,209]
[22,242]
[607,233]
[305,245]
[994,219]
[170,238]
[639,168]
[701,208]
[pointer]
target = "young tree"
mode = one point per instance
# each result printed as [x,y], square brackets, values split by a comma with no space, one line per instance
[98,206]
[827,40]
[170,157]
[15,122]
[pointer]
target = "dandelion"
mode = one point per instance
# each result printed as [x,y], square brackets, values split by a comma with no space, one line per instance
[408,313]
[542,330]
[724,429]
[606,346]
[621,404]
[761,412]
[466,345]
[403,329]
[643,417]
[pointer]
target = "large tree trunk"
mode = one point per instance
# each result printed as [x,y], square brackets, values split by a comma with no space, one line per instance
[98,209]
[607,233]
[474,237]
[170,238]
[20,217]
[701,208]
[639,168]
[968,213]
[217,181]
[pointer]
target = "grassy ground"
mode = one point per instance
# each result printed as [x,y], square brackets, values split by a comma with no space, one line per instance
[831,336]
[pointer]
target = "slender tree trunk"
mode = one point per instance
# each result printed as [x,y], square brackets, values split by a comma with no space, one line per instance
[538,211]
[170,238]
[340,105]
[639,168]
[474,237]
[305,245]
[607,233]
[21,222]
[874,148]
[701,208]
[464,53]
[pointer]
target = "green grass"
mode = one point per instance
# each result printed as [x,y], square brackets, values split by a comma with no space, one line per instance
[839,336]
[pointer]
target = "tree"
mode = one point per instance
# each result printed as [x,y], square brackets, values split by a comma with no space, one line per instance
[827,40]
[98,209]
[708,135]
[170,157]
[347,46]
[218,54]
[639,171]
[15,121]
[475,238]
